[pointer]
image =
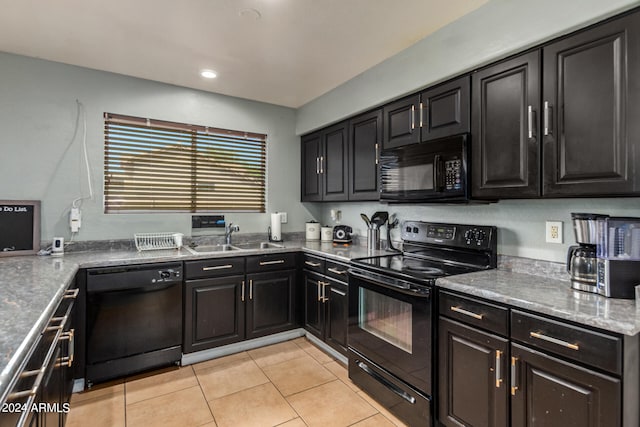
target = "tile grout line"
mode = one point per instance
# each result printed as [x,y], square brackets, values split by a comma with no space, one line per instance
[203,395]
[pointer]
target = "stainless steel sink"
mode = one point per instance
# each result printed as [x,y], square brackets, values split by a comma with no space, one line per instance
[203,249]
[258,245]
[211,248]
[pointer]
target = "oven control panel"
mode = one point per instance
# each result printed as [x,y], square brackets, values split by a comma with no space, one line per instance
[458,235]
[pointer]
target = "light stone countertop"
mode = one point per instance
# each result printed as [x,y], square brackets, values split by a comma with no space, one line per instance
[33,286]
[549,296]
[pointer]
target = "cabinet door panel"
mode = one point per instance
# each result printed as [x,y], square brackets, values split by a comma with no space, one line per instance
[334,164]
[337,313]
[592,107]
[505,160]
[313,307]
[270,303]
[554,393]
[445,110]
[365,141]
[214,313]
[311,182]
[401,126]
[469,394]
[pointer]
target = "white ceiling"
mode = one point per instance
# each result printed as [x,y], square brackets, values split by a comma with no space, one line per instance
[295,51]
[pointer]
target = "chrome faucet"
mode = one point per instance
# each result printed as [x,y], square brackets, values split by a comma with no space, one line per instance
[228,229]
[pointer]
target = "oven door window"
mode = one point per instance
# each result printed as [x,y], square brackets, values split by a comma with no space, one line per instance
[387,318]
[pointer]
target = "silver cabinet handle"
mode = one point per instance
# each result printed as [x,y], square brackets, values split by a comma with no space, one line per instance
[514,379]
[498,368]
[324,291]
[71,293]
[317,165]
[336,271]
[251,289]
[312,264]
[547,118]
[377,153]
[467,313]
[278,261]
[413,117]
[68,360]
[242,292]
[319,292]
[218,267]
[321,164]
[530,122]
[562,343]
[421,114]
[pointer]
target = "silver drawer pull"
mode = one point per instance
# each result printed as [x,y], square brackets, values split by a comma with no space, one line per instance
[217,267]
[554,340]
[467,313]
[498,368]
[514,379]
[68,361]
[278,261]
[312,264]
[336,271]
[71,293]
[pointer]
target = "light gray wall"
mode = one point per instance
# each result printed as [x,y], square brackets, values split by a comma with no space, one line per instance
[40,160]
[521,223]
[495,30]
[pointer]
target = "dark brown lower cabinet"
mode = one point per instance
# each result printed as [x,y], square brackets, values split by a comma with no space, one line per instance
[553,393]
[214,312]
[326,309]
[270,303]
[473,377]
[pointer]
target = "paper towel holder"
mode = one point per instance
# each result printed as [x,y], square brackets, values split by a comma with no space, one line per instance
[278,233]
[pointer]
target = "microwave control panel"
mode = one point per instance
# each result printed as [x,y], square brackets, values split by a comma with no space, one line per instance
[452,174]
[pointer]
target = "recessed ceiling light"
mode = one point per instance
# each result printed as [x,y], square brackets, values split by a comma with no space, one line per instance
[208,74]
[250,13]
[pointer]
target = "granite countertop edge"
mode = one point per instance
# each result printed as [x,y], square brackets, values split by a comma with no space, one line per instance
[550,297]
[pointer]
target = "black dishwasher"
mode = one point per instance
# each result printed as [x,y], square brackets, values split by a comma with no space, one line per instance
[134,319]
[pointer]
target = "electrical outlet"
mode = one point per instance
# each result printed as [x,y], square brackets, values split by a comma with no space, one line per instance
[283,217]
[553,232]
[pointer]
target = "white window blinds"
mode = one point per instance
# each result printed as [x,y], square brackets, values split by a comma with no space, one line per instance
[153,165]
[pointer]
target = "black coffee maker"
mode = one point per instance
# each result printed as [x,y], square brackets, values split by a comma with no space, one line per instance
[582,260]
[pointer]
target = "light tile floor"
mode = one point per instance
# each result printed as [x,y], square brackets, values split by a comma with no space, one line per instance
[291,384]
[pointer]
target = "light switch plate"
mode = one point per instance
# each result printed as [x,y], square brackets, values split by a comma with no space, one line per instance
[553,232]
[283,217]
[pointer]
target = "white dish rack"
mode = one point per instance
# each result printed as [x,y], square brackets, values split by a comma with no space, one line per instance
[155,241]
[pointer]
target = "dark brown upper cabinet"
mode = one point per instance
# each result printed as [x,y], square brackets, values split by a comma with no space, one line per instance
[324,164]
[591,106]
[365,142]
[434,113]
[505,144]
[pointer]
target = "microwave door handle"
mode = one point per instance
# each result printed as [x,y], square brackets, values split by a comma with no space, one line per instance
[437,172]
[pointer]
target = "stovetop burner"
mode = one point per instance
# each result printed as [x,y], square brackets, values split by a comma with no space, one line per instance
[436,250]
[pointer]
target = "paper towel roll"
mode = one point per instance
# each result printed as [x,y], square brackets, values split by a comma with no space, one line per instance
[276,227]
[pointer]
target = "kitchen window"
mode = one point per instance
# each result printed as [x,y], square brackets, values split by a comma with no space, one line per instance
[160,166]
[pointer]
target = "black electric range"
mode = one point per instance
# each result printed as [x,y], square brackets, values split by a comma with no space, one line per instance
[391,311]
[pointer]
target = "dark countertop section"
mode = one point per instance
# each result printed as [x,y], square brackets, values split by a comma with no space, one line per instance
[32,287]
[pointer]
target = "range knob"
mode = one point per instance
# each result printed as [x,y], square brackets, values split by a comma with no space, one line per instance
[165,274]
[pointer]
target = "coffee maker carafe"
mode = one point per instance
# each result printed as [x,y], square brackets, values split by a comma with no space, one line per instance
[582,261]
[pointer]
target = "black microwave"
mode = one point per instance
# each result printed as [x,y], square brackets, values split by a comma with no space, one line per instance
[434,171]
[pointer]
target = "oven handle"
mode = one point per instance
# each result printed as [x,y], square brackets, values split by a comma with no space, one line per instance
[392,387]
[380,282]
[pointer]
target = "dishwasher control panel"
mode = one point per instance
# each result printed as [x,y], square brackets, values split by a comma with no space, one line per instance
[168,275]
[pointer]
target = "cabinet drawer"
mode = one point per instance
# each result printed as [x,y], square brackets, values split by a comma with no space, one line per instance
[582,345]
[474,312]
[213,267]
[271,262]
[337,270]
[313,263]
